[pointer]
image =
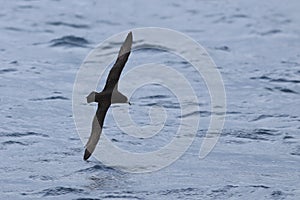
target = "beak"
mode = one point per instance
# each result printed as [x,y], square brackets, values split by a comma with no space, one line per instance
[129,103]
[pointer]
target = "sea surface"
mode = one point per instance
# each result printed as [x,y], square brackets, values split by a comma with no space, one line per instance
[256,47]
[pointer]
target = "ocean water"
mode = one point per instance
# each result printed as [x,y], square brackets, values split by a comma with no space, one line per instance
[256,46]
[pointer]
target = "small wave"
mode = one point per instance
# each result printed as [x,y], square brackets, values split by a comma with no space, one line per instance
[235,142]
[3,71]
[233,113]
[257,134]
[115,140]
[285,90]
[270,32]
[69,41]
[281,89]
[152,47]
[288,137]
[264,77]
[283,80]
[79,26]
[155,97]
[174,62]
[269,89]
[178,191]
[41,177]
[50,98]
[296,152]
[11,142]
[17,134]
[193,11]
[277,194]
[60,191]
[106,47]
[15,62]
[260,186]
[107,22]
[165,104]
[223,48]
[222,191]
[201,113]
[224,19]
[27,7]
[279,80]
[261,117]
[97,168]
[10,28]
[239,16]
[193,30]
[265,132]
[118,196]
[290,63]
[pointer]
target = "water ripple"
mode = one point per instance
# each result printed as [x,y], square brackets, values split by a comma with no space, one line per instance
[97,168]
[69,41]
[264,116]
[17,134]
[50,98]
[256,134]
[57,191]
[11,142]
[108,22]
[279,80]
[270,32]
[155,97]
[57,23]
[260,186]
[223,48]
[285,90]
[3,71]
[10,28]
[178,191]
[296,151]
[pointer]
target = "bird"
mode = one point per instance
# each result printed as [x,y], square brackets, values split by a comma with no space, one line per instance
[109,95]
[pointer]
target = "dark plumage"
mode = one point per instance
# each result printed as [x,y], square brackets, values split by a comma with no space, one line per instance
[108,96]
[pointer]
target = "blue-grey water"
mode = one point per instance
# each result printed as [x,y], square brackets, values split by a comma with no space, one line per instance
[256,46]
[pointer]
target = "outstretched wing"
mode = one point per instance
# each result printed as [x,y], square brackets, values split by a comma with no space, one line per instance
[96,129]
[115,72]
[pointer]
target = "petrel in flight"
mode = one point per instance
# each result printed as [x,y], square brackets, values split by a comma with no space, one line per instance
[107,96]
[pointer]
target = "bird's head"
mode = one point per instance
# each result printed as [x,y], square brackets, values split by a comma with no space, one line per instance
[91,97]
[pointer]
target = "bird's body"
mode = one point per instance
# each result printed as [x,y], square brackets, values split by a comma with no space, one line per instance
[107,96]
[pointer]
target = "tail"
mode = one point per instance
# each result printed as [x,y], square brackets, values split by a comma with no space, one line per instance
[118,97]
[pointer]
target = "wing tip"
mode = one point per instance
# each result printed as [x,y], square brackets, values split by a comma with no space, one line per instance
[128,40]
[126,47]
[87,154]
[129,36]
